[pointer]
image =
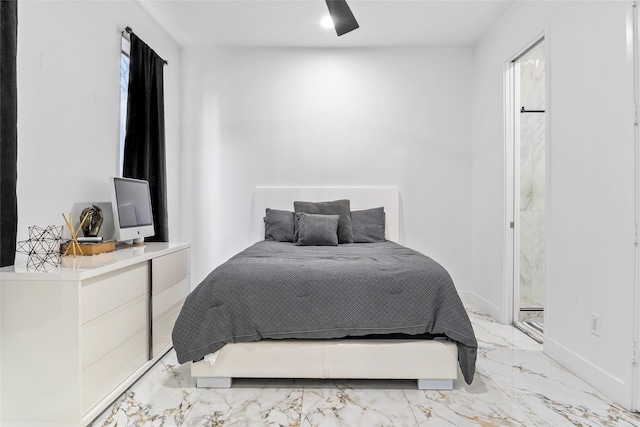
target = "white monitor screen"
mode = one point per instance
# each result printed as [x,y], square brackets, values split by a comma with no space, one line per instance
[134,205]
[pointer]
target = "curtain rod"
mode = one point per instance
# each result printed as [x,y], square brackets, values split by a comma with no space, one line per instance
[126,35]
[522,110]
[126,32]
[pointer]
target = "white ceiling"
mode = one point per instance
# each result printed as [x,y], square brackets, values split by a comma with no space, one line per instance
[290,23]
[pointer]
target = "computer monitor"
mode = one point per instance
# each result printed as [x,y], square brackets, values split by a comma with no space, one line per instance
[132,213]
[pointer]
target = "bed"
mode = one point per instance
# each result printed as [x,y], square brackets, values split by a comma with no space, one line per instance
[326,310]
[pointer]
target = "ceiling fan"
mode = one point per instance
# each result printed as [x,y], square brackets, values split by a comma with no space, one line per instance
[342,17]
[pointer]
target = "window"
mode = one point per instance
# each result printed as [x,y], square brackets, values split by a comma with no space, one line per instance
[124,92]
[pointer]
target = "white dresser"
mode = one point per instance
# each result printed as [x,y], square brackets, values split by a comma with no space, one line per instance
[72,340]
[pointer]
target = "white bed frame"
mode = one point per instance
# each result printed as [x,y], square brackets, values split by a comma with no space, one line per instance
[433,363]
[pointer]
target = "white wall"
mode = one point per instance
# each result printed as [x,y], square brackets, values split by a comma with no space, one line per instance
[591,181]
[402,117]
[327,117]
[68,105]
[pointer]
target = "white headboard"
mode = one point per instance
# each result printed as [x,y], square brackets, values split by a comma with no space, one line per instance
[360,197]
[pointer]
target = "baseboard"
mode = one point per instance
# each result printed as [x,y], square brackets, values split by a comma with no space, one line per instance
[609,385]
[474,300]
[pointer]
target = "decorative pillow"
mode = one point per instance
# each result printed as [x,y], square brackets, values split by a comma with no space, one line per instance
[317,230]
[336,207]
[368,225]
[278,225]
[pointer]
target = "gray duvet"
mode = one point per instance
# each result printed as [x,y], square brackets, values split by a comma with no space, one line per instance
[276,290]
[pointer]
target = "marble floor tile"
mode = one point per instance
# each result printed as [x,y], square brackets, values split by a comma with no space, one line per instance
[247,406]
[531,316]
[490,333]
[547,392]
[162,397]
[515,384]
[480,404]
[357,404]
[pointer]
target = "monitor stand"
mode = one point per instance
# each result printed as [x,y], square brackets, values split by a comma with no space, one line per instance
[133,242]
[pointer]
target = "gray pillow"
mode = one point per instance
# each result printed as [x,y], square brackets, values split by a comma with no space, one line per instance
[317,230]
[278,225]
[336,207]
[368,225]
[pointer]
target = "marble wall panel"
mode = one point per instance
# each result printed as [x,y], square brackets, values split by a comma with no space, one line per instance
[526,183]
[538,288]
[538,166]
[532,78]
[532,179]
[526,290]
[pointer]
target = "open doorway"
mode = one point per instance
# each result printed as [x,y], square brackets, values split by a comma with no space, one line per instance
[529,190]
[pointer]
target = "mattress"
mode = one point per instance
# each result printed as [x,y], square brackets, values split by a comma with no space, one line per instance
[277,290]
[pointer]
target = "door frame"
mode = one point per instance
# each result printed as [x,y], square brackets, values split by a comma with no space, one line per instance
[635,43]
[512,113]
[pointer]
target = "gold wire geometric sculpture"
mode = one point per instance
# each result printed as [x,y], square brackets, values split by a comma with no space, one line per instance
[42,247]
[74,234]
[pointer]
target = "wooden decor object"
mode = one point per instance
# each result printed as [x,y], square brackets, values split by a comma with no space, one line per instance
[92,248]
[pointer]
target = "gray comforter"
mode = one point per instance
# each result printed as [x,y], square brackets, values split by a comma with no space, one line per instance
[275,290]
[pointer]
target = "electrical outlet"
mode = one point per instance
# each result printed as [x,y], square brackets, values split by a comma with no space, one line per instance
[595,324]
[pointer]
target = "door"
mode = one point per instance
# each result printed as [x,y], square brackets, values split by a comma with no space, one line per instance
[529,183]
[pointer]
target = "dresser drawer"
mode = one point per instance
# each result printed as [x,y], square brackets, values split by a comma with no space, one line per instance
[166,298]
[162,328]
[168,269]
[104,333]
[106,374]
[112,290]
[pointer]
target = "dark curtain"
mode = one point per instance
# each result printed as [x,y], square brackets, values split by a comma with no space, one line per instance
[144,146]
[8,131]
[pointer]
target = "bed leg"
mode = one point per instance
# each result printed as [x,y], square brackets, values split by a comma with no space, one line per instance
[213,382]
[435,384]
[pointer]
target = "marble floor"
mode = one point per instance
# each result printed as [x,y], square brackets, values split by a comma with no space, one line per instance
[515,385]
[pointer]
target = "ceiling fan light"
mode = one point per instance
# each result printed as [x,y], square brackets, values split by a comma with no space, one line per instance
[327,22]
[342,17]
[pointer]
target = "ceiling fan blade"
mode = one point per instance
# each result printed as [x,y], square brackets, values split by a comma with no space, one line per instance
[343,19]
